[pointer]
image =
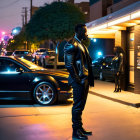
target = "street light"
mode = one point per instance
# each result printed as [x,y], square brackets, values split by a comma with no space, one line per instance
[16,31]
[3,33]
[99,54]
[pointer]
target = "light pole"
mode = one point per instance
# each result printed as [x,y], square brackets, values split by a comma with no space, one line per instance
[31,5]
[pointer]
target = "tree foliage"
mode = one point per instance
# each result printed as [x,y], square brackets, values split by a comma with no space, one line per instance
[18,42]
[54,21]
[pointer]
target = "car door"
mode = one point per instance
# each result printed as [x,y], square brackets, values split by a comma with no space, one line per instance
[107,72]
[13,82]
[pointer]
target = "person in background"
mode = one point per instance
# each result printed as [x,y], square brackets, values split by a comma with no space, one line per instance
[118,64]
[78,64]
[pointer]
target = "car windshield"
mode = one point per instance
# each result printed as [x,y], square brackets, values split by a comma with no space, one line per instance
[41,51]
[30,65]
[21,52]
[109,59]
[9,53]
[98,60]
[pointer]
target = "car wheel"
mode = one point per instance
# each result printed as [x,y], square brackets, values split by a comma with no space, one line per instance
[101,76]
[45,93]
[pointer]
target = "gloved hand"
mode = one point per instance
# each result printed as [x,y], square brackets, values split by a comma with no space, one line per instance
[78,80]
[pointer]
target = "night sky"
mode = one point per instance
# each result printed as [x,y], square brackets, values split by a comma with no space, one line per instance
[11,11]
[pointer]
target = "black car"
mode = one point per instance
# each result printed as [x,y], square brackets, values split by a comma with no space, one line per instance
[22,79]
[8,53]
[102,68]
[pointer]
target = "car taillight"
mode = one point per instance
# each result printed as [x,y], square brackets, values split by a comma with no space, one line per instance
[47,56]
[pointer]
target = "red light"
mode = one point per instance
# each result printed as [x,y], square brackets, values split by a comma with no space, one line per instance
[47,56]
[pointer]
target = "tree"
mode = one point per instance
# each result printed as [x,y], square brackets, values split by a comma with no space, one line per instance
[54,22]
[18,42]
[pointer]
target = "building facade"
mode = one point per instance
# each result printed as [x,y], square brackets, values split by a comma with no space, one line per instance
[121,22]
[84,7]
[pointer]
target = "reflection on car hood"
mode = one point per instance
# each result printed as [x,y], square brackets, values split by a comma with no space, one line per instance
[54,72]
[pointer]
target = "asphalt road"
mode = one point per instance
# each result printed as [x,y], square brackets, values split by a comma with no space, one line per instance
[107,119]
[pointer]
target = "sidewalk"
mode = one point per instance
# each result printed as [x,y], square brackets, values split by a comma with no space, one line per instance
[105,90]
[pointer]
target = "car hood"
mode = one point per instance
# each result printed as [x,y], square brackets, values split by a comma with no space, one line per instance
[53,72]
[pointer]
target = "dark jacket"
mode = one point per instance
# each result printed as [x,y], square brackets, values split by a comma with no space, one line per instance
[118,63]
[78,62]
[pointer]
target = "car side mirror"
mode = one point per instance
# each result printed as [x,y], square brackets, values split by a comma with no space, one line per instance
[20,70]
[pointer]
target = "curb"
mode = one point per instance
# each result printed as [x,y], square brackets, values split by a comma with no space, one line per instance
[136,105]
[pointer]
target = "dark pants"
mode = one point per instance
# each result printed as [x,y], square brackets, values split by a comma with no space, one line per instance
[117,81]
[80,92]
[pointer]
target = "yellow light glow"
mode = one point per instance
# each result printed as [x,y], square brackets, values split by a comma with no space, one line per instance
[117,28]
[100,27]
[128,24]
[104,32]
[91,30]
[131,77]
[64,81]
[110,36]
[112,26]
[135,15]
[120,20]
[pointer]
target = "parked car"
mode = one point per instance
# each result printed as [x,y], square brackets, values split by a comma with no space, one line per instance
[8,53]
[23,54]
[47,58]
[102,68]
[24,80]
[2,54]
[38,54]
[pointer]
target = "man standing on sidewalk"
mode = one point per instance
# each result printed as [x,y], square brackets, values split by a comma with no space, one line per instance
[78,64]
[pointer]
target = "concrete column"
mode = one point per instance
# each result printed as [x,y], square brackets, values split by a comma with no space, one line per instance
[120,39]
[137,58]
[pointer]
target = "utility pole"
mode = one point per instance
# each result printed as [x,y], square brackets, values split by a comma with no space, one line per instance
[31,7]
[25,13]
[23,23]
[24,19]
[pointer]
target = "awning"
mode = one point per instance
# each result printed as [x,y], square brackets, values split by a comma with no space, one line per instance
[107,26]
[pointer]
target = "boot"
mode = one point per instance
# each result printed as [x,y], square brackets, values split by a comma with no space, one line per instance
[85,132]
[119,89]
[78,135]
[115,90]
